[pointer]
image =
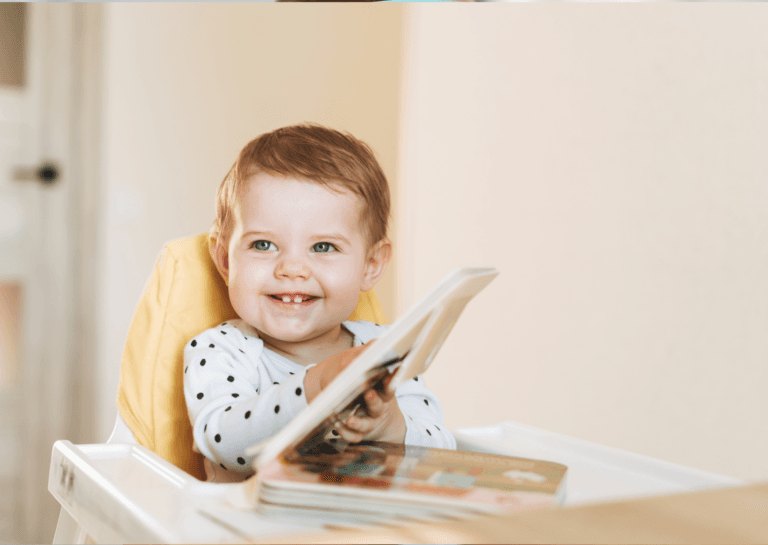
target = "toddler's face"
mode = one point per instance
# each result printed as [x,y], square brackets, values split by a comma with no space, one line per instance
[296,258]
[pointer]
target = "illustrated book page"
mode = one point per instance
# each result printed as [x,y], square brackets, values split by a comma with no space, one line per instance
[374,476]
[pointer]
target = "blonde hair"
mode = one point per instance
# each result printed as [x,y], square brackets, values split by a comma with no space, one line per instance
[312,153]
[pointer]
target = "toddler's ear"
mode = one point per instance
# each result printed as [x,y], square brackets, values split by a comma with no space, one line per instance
[378,256]
[220,256]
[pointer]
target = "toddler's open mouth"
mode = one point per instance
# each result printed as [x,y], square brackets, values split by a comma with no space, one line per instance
[293,297]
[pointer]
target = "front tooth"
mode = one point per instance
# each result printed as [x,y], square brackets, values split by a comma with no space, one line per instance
[286,298]
[297,300]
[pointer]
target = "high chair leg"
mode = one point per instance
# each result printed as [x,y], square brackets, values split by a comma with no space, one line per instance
[69,531]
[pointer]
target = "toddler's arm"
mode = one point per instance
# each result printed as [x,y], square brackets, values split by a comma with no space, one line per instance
[423,415]
[235,398]
[321,375]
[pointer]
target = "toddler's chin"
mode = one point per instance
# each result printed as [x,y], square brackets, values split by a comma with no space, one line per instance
[289,335]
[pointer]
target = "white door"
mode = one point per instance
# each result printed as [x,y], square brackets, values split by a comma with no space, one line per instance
[36,296]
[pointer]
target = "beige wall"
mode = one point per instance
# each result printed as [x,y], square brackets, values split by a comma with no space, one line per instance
[610,161]
[186,86]
[607,159]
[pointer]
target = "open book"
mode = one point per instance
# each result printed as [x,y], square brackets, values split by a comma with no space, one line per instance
[304,468]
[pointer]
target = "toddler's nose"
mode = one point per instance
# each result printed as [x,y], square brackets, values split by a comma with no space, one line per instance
[292,268]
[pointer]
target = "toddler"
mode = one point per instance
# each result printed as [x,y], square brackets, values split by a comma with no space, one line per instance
[300,231]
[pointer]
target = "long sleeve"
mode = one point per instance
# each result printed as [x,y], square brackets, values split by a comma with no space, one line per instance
[237,396]
[423,416]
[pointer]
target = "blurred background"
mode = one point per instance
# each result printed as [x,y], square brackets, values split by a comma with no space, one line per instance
[609,159]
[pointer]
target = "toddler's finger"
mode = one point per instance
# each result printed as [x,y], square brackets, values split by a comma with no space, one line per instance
[360,424]
[386,392]
[348,434]
[374,405]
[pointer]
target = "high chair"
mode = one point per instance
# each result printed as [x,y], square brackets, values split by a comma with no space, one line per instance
[185,295]
[145,484]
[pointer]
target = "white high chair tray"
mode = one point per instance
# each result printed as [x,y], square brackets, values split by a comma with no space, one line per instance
[596,473]
[125,493]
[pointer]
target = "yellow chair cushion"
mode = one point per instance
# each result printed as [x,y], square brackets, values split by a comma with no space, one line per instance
[185,295]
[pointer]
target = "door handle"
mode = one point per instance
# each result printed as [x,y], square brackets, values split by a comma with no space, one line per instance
[47,173]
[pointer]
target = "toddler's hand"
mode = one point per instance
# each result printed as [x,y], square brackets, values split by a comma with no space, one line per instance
[381,421]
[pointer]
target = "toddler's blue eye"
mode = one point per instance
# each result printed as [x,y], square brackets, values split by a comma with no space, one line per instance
[323,247]
[263,245]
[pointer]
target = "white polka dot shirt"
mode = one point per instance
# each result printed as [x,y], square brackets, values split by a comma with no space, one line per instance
[240,393]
